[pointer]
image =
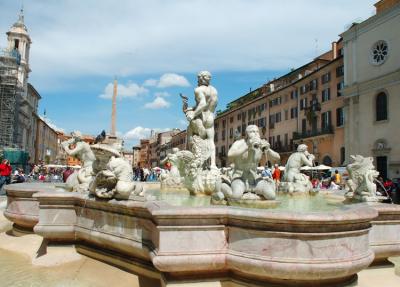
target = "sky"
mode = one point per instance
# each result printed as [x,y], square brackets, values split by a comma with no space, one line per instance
[155,48]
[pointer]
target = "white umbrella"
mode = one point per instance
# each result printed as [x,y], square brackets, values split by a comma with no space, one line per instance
[306,167]
[322,167]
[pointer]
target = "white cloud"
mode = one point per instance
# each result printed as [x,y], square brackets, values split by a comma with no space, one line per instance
[51,124]
[140,132]
[130,90]
[171,80]
[67,51]
[158,103]
[167,80]
[162,94]
[137,133]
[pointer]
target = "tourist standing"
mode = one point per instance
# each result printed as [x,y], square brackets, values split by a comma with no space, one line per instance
[5,173]
[276,174]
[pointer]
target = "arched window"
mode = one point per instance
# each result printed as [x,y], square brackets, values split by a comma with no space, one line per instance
[381,107]
[327,160]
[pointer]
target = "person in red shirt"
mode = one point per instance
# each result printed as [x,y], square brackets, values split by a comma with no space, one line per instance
[276,174]
[5,172]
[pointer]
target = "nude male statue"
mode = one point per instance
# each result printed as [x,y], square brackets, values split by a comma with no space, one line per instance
[296,160]
[201,117]
[83,152]
[246,154]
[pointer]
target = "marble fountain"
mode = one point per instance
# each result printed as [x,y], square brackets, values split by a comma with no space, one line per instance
[236,230]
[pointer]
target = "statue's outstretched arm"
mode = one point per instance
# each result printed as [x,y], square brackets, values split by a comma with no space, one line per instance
[306,161]
[237,149]
[272,156]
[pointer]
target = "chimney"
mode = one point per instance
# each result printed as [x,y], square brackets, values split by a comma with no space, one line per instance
[384,5]
[334,50]
[114,109]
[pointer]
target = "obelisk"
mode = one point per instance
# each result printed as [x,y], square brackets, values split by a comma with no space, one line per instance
[114,109]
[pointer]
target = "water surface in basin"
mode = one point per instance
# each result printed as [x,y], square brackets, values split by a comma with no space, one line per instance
[299,203]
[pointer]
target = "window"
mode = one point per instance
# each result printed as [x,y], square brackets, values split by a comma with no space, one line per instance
[239,129]
[379,52]
[342,155]
[16,44]
[278,117]
[339,87]
[326,120]
[223,150]
[272,119]
[381,107]
[275,102]
[326,78]
[216,126]
[286,115]
[339,71]
[303,104]
[293,113]
[261,122]
[314,84]
[303,125]
[216,137]
[223,135]
[243,129]
[231,119]
[293,95]
[223,123]
[340,52]
[239,116]
[304,89]
[326,95]
[231,133]
[339,117]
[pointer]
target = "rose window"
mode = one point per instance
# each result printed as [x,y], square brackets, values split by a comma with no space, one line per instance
[379,52]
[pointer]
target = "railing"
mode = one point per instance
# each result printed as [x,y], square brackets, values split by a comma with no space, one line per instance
[308,134]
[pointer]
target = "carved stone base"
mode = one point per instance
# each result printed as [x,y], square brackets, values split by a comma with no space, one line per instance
[249,203]
[295,187]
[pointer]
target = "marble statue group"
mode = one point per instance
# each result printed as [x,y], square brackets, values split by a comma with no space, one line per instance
[106,174]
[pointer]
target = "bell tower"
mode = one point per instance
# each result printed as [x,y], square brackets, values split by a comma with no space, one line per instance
[19,42]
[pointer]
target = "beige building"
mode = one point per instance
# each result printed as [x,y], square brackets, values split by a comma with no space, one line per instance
[135,156]
[372,88]
[303,106]
[144,154]
[179,140]
[46,147]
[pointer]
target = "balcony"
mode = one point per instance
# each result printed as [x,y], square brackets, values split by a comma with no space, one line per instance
[281,148]
[313,133]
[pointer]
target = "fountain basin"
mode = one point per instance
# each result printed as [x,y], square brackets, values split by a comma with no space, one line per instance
[278,246]
[22,207]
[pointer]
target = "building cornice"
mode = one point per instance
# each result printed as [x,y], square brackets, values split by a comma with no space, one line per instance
[370,23]
[381,82]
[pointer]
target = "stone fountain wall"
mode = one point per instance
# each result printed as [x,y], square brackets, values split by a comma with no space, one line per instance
[176,243]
